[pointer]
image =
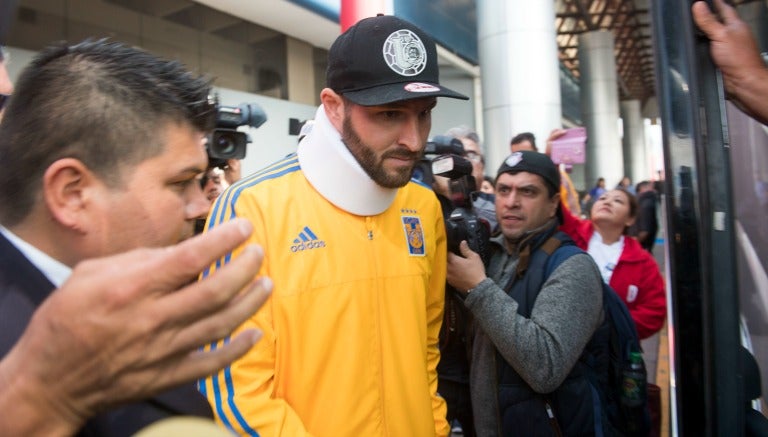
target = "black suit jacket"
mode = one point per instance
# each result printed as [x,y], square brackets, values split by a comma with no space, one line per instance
[22,289]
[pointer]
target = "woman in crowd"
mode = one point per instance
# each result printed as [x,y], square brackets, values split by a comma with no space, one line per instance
[487,185]
[593,194]
[631,271]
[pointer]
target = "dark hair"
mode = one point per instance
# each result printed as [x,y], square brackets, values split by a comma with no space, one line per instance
[519,138]
[103,103]
[597,182]
[641,185]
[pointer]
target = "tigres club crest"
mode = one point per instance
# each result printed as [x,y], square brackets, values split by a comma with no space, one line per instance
[414,235]
[405,53]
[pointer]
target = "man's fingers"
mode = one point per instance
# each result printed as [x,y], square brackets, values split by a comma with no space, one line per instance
[221,323]
[555,134]
[726,11]
[705,19]
[180,368]
[465,250]
[215,290]
[190,257]
[204,363]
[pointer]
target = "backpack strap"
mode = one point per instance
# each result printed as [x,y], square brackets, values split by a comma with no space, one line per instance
[533,269]
[549,247]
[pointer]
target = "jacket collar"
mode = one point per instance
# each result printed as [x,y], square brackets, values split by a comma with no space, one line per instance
[533,238]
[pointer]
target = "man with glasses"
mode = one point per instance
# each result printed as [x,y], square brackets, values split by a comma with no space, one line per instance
[481,202]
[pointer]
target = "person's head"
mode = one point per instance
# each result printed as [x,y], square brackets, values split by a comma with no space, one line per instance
[6,86]
[643,186]
[487,185]
[625,182]
[382,83]
[213,183]
[600,182]
[523,141]
[615,209]
[102,145]
[472,151]
[527,193]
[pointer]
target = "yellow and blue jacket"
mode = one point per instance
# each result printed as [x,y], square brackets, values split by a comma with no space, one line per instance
[350,343]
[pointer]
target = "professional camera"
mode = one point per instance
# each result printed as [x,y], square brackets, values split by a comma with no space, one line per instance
[226,142]
[437,146]
[462,223]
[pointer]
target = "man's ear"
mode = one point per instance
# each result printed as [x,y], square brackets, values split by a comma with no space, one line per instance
[554,203]
[334,107]
[67,187]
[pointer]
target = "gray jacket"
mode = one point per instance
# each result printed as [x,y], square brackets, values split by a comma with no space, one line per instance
[542,349]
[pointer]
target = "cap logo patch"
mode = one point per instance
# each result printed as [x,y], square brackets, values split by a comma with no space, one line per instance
[418,87]
[405,53]
[514,159]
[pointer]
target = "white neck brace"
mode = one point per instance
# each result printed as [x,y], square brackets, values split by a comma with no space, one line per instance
[332,170]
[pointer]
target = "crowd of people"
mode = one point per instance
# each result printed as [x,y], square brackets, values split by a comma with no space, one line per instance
[321,294]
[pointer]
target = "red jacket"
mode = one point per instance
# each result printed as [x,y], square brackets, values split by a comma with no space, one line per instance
[636,274]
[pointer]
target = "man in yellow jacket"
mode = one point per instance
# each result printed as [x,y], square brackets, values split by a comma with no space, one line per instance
[357,253]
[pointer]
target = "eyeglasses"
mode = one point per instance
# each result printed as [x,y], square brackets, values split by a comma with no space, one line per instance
[4,98]
[474,156]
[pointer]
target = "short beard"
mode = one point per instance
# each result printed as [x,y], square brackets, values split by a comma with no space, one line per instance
[369,162]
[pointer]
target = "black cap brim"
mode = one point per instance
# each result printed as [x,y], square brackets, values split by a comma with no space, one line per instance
[398,92]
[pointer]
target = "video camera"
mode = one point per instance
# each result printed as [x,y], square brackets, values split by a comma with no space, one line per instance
[226,142]
[445,157]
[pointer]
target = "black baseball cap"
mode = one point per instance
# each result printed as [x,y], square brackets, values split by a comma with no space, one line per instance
[385,59]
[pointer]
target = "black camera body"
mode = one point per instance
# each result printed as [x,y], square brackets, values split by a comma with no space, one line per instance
[437,146]
[462,223]
[226,142]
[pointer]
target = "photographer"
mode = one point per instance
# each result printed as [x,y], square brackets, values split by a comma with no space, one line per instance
[453,369]
[481,202]
[523,349]
[225,147]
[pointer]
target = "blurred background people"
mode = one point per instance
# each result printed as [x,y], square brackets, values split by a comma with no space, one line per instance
[487,185]
[646,226]
[523,141]
[626,184]
[595,192]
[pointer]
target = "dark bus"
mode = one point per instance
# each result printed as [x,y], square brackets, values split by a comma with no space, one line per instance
[716,224]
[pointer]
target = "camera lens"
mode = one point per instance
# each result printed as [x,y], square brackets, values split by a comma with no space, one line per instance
[225,145]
